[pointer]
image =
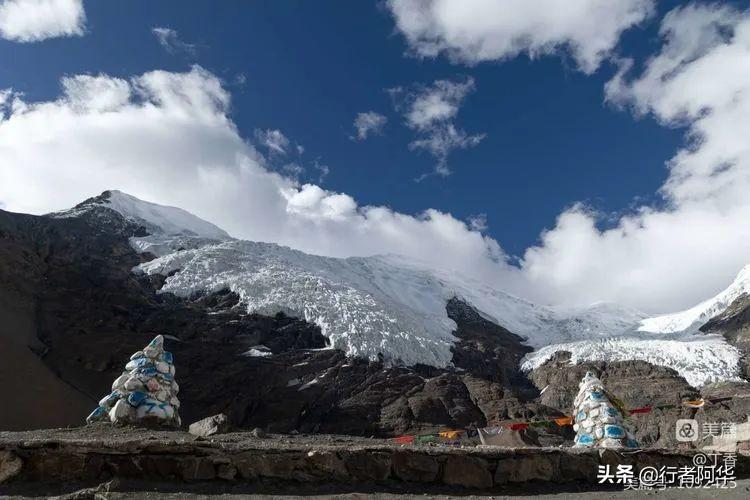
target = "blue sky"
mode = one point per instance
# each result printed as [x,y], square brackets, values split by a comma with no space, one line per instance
[309,67]
[603,140]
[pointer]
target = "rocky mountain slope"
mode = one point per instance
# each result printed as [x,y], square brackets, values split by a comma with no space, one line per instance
[287,341]
[391,306]
[734,324]
[70,281]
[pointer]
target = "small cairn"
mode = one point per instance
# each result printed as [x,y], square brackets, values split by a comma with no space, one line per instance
[145,393]
[599,417]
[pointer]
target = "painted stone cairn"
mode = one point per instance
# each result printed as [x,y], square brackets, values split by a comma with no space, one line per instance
[145,393]
[599,417]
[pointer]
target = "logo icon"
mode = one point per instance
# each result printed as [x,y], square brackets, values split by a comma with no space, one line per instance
[686,430]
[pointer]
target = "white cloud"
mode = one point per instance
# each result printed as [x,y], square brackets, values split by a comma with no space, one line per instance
[169,39]
[441,140]
[663,259]
[293,170]
[166,137]
[35,20]
[656,259]
[429,111]
[478,222]
[439,102]
[369,123]
[323,171]
[273,140]
[95,93]
[472,31]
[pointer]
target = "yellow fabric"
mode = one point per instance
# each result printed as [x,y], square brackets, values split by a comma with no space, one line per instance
[697,403]
[564,421]
[451,434]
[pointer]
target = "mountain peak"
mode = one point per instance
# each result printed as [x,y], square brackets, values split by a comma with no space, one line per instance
[157,219]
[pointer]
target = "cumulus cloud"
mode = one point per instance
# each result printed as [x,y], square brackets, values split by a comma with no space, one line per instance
[35,20]
[662,259]
[166,137]
[369,123]
[471,31]
[170,40]
[429,111]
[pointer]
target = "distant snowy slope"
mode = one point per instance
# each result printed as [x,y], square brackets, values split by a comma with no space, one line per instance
[693,318]
[671,340]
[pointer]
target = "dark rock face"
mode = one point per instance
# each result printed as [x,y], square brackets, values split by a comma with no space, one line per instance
[734,325]
[42,397]
[487,350]
[638,383]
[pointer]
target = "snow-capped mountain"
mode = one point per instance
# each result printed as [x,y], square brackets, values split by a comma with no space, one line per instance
[700,359]
[395,307]
[691,319]
[671,340]
[156,219]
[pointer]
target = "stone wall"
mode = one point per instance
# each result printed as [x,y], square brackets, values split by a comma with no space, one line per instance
[178,457]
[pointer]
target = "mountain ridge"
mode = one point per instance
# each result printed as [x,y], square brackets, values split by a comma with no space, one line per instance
[90,311]
[392,306]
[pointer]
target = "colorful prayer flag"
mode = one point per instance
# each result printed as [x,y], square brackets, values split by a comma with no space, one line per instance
[491,435]
[697,403]
[564,421]
[427,438]
[642,409]
[451,434]
[541,423]
[404,439]
[518,426]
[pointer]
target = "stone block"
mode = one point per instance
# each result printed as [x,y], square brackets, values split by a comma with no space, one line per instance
[209,426]
[467,471]
[415,467]
[10,465]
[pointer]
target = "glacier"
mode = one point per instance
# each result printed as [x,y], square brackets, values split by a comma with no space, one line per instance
[394,307]
[699,359]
